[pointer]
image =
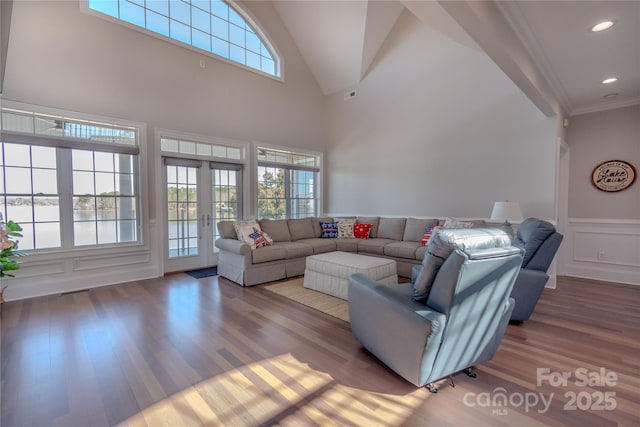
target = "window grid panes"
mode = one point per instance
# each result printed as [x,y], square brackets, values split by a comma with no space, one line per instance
[271,193]
[286,193]
[172,145]
[104,199]
[29,184]
[213,26]
[288,157]
[302,189]
[182,211]
[225,197]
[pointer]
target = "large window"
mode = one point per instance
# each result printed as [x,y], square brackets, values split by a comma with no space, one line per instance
[104,197]
[68,182]
[215,26]
[30,197]
[287,184]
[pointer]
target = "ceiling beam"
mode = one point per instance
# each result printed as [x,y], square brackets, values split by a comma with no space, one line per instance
[483,21]
[6,8]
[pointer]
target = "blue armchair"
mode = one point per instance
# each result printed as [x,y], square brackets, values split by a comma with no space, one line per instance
[451,317]
[540,242]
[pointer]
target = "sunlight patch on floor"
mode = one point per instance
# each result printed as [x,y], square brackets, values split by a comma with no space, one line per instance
[279,390]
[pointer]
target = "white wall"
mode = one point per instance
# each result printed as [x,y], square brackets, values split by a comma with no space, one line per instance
[603,236]
[595,138]
[409,145]
[63,58]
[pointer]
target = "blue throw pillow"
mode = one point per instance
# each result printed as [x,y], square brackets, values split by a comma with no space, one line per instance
[329,230]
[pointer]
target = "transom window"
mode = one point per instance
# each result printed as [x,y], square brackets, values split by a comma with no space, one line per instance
[215,26]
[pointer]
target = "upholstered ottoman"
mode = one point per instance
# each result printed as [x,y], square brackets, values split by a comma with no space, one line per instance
[329,272]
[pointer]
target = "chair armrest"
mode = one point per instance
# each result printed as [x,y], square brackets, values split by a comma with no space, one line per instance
[526,292]
[415,270]
[402,333]
[233,245]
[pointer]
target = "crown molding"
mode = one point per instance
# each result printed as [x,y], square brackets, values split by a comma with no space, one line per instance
[611,105]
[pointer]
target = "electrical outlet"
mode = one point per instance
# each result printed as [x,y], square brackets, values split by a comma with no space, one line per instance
[601,255]
[202,63]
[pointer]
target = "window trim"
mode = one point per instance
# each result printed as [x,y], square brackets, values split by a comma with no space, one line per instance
[244,13]
[142,181]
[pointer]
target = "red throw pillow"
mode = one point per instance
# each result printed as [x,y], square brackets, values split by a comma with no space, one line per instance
[361,231]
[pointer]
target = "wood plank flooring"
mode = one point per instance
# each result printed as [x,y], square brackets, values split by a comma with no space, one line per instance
[178,351]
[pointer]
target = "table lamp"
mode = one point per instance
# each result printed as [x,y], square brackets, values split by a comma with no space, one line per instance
[506,211]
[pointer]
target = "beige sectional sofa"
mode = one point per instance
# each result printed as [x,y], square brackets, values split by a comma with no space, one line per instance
[295,239]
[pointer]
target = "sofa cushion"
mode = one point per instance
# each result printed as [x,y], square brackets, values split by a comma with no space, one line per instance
[268,253]
[296,249]
[320,245]
[227,230]
[278,229]
[443,242]
[415,228]
[317,230]
[329,230]
[347,244]
[373,246]
[301,228]
[402,249]
[420,253]
[345,227]
[391,228]
[374,221]
[361,231]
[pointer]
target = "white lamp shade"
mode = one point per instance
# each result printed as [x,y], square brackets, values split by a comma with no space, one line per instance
[504,211]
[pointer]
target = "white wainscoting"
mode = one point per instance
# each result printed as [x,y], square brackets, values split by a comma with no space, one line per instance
[603,249]
[50,274]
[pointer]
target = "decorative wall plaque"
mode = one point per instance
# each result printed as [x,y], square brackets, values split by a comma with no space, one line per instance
[613,175]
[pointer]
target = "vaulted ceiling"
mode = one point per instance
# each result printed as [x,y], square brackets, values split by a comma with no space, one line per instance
[338,39]
[545,47]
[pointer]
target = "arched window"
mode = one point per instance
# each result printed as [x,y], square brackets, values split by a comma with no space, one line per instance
[215,26]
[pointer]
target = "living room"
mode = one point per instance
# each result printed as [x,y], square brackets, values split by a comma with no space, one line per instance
[435,129]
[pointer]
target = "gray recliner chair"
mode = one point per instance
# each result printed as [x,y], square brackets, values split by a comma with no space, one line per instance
[451,317]
[540,242]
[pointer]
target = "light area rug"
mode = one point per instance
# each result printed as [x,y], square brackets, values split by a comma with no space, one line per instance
[294,289]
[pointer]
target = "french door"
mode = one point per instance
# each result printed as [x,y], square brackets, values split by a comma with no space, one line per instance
[198,195]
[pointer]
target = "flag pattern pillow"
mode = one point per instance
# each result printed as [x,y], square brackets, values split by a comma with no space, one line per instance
[329,230]
[428,233]
[260,238]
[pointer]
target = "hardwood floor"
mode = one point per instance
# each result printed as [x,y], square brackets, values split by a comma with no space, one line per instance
[178,351]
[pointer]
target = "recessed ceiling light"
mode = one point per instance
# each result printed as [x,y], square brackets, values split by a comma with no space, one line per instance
[609,80]
[610,95]
[601,26]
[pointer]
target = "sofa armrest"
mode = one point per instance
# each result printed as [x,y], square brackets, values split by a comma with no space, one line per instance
[233,245]
[405,335]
